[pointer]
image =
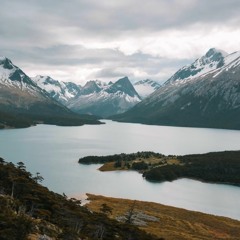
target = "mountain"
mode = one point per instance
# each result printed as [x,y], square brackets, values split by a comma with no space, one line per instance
[205,93]
[213,59]
[104,99]
[58,90]
[146,87]
[23,103]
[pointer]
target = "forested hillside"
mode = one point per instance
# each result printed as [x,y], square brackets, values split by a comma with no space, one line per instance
[30,211]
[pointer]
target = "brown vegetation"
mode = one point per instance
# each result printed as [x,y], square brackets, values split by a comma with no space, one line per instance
[167,222]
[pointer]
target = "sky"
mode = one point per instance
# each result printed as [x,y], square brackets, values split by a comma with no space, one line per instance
[81,40]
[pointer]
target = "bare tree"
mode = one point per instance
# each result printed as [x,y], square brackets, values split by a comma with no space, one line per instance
[130,213]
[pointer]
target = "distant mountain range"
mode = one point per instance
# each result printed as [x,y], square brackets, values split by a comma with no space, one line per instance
[205,93]
[96,97]
[103,99]
[23,102]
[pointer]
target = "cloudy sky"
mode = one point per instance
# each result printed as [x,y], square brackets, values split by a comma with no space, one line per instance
[80,40]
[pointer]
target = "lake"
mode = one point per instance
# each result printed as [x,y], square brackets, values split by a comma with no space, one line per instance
[54,152]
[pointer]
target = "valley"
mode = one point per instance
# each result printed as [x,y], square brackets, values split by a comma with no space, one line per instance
[119,120]
[202,94]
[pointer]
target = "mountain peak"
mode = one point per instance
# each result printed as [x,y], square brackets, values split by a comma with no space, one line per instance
[44,81]
[214,51]
[212,56]
[123,81]
[11,74]
[7,63]
[123,85]
[90,87]
[212,60]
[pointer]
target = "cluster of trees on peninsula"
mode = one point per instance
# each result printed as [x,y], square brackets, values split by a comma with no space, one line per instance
[26,207]
[217,167]
[118,157]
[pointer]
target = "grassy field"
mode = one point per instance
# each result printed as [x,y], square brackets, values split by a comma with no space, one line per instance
[165,221]
[153,161]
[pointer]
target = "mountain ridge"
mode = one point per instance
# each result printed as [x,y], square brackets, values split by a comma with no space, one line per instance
[103,99]
[58,90]
[210,99]
[23,103]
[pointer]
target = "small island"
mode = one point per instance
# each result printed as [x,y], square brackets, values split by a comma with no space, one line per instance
[214,167]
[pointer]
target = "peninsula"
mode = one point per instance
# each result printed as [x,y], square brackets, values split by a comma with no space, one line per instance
[215,167]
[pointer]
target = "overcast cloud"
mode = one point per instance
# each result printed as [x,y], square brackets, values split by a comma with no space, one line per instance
[80,40]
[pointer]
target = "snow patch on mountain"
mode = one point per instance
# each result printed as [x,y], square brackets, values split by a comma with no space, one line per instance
[60,91]
[205,93]
[212,60]
[13,77]
[146,87]
[219,77]
[104,99]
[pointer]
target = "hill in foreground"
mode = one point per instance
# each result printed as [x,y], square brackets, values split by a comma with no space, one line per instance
[30,211]
[164,221]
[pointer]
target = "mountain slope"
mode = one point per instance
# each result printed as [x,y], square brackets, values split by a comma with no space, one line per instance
[203,94]
[22,102]
[105,99]
[146,87]
[60,91]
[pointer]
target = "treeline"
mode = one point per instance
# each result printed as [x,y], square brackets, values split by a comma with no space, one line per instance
[14,121]
[217,167]
[118,157]
[13,118]
[26,207]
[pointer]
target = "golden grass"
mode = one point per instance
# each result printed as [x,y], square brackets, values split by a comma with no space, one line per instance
[173,161]
[109,166]
[173,223]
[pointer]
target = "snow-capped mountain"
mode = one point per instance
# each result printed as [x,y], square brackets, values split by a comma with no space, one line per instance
[212,60]
[146,87]
[58,90]
[16,87]
[23,102]
[104,99]
[95,97]
[205,93]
